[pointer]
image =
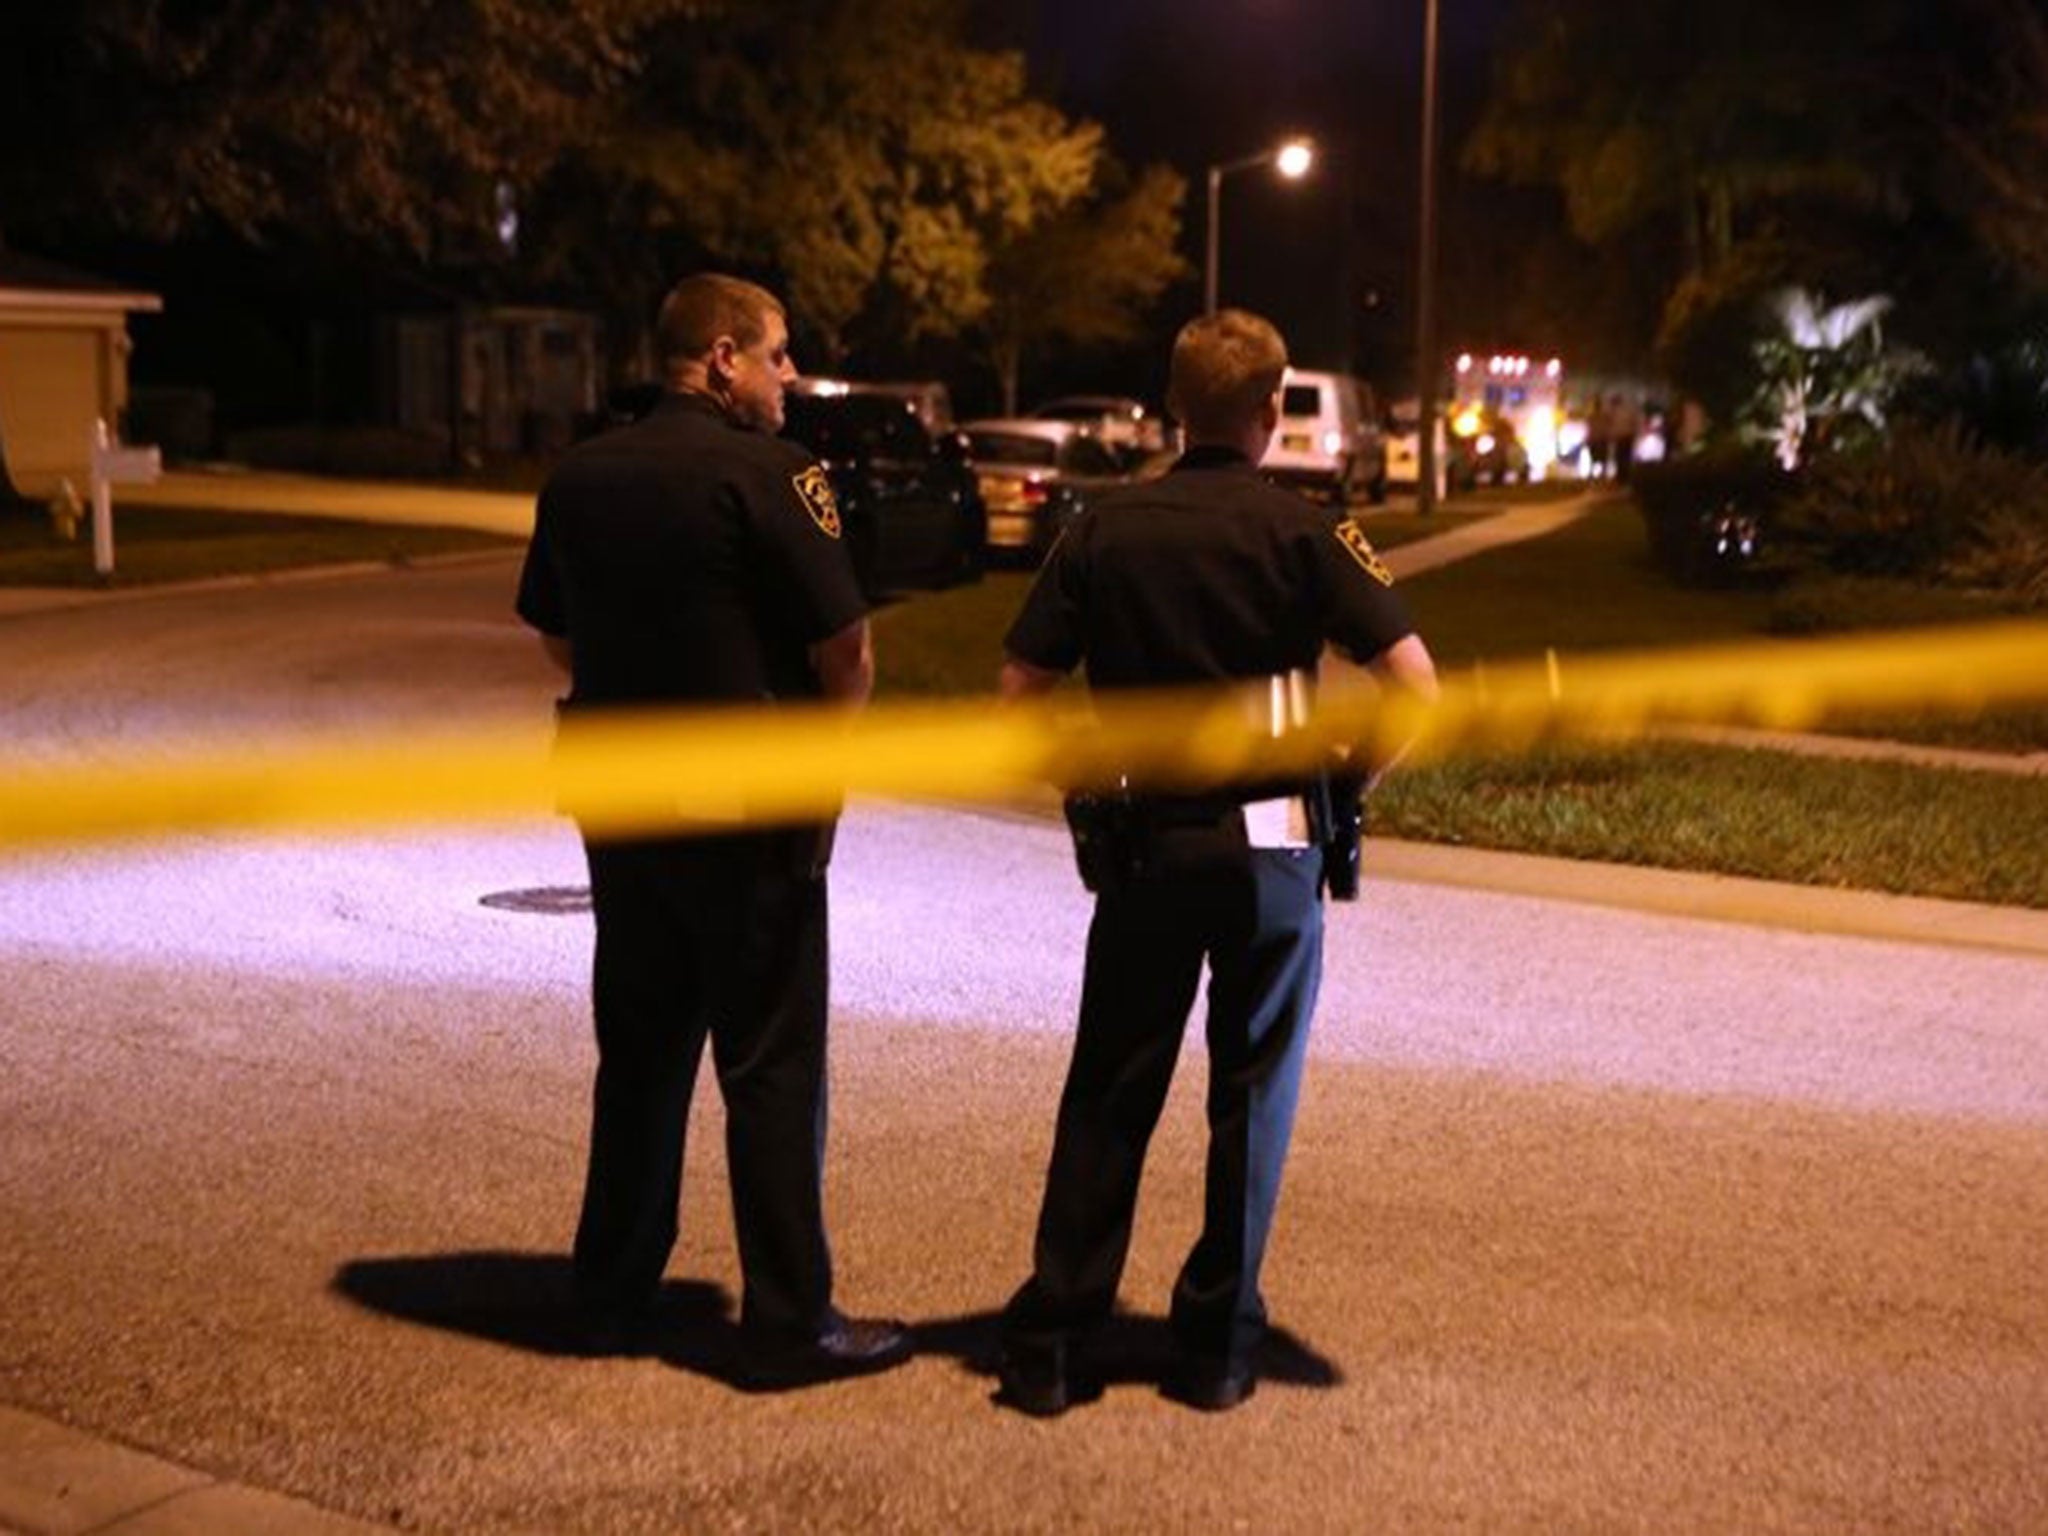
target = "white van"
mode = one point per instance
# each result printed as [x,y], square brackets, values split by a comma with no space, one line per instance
[1330,440]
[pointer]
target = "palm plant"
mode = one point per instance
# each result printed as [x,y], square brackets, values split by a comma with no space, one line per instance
[1827,377]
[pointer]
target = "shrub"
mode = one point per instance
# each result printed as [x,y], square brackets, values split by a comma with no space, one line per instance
[1930,503]
[2000,394]
[2007,550]
[1708,515]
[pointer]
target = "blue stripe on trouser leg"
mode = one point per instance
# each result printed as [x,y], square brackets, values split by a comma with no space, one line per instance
[1262,995]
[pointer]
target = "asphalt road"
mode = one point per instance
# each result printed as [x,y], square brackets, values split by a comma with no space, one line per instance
[1598,1219]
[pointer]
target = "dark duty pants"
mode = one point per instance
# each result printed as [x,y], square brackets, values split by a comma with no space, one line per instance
[720,938]
[1255,915]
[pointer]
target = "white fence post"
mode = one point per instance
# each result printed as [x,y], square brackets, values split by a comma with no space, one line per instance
[114,464]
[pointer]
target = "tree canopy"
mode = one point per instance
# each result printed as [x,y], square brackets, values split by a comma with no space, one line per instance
[1762,144]
[1084,276]
[1999,135]
[385,123]
[892,179]
[883,172]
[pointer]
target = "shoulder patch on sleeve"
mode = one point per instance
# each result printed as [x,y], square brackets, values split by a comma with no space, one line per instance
[814,490]
[1359,547]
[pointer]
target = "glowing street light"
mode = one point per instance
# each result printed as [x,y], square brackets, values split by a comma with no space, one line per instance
[1293,159]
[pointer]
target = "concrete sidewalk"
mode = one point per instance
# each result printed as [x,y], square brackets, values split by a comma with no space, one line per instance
[1515,525]
[369,501]
[58,1481]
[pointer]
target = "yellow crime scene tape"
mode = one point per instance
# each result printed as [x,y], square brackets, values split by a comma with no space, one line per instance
[653,771]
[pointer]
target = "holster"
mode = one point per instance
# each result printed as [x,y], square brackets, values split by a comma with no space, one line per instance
[1111,838]
[1336,820]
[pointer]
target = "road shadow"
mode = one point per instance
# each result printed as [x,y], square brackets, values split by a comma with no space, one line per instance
[524,1300]
[1129,1349]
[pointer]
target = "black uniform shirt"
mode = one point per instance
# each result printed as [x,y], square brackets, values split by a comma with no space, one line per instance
[685,558]
[1208,574]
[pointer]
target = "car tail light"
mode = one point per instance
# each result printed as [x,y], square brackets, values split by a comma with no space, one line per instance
[1333,442]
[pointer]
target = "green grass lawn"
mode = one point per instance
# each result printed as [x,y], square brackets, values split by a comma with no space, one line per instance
[1866,825]
[1591,587]
[1587,587]
[160,544]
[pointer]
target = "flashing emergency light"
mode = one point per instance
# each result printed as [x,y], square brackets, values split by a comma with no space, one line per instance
[1539,440]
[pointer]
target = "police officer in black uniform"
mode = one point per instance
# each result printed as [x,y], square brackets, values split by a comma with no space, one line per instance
[1206,576]
[694,557]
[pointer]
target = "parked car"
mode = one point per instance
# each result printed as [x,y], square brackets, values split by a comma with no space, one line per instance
[1036,476]
[1121,424]
[932,401]
[909,501]
[1329,441]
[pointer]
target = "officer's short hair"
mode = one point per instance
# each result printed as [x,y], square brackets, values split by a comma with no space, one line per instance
[1225,367]
[705,306]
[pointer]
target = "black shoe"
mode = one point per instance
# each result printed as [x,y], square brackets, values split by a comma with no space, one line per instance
[1210,1384]
[1033,1380]
[845,1346]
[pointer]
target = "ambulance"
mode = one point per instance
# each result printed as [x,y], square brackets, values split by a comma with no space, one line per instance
[1506,417]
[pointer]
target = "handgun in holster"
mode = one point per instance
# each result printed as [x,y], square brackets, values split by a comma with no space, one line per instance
[1111,845]
[1336,821]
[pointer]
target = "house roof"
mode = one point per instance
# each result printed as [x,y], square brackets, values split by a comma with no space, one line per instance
[29,282]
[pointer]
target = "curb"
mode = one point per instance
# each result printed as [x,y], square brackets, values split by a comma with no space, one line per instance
[21,600]
[1670,892]
[1716,898]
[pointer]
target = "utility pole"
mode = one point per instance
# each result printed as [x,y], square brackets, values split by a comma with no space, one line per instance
[1425,282]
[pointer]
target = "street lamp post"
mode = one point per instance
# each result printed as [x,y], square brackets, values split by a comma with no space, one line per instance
[1425,282]
[1291,158]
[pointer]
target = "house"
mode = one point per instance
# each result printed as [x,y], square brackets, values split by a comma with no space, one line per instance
[63,364]
[515,379]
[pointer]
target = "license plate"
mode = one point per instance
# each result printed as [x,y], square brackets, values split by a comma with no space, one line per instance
[1294,442]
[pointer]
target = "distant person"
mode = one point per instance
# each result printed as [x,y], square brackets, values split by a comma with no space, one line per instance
[1625,425]
[694,557]
[1207,575]
[1599,439]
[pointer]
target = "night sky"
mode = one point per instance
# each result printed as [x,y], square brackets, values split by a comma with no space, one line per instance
[1196,82]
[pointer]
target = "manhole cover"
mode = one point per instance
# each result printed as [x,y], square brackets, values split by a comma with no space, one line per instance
[548,900]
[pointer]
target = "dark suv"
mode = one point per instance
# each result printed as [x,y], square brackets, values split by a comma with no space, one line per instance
[908,499]
[907,496]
